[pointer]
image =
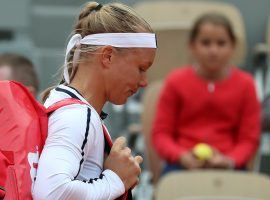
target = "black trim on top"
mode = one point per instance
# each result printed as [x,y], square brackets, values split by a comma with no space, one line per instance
[87,124]
[95,179]
[102,115]
[91,180]
[67,92]
[75,90]
[85,139]
[107,146]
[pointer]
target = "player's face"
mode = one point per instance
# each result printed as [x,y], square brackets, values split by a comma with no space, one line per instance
[129,73]
[212,47]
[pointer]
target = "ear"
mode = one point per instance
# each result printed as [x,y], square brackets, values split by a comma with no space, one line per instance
[234,45]
[106,56]
[191,51]
[191,46]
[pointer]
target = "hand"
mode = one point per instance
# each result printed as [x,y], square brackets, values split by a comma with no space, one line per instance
[123,163]
[189,161]
[218,160]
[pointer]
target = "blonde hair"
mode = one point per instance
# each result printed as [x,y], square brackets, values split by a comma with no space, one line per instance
[96,18]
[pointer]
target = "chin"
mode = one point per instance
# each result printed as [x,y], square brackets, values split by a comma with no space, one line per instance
[214,68]
[119,101]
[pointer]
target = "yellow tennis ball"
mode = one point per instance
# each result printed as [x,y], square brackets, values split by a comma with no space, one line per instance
[203,151]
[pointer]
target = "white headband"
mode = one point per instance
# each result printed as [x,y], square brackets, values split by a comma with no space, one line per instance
[124,40]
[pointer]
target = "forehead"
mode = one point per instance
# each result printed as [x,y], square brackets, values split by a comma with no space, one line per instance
[209,29]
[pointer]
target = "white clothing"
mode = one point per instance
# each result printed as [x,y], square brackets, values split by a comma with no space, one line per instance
[71,164]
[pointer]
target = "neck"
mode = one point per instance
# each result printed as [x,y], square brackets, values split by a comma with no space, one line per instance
[90,85]
[212,76]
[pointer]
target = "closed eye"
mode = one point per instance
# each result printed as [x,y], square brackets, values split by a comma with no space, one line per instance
[142,69]
[221,43]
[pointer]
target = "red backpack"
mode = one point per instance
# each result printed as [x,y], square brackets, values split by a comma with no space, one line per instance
[23,131]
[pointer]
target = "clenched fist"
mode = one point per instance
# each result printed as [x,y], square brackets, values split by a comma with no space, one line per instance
[121,161]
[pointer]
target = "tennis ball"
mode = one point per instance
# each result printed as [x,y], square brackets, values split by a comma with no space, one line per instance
[203,151]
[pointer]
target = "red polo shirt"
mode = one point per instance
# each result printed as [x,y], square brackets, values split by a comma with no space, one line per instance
[225,114]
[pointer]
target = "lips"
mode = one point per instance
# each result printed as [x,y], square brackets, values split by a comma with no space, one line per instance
[135,90]
[132,92]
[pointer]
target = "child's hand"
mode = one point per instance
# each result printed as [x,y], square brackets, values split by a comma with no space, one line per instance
[189,161]
[121,161]
[218,160]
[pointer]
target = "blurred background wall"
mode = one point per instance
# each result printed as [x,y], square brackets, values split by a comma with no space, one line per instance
[39,29]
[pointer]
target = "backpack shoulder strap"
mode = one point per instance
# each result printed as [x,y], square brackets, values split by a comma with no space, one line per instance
[70,101]
[62,103]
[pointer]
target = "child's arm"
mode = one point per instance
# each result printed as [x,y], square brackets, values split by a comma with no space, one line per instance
[249,128]
[165,125]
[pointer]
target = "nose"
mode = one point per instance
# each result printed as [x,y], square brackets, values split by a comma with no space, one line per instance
[143,82]
[214,49]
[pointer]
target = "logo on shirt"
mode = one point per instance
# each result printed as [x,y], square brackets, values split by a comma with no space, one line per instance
[33,162]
